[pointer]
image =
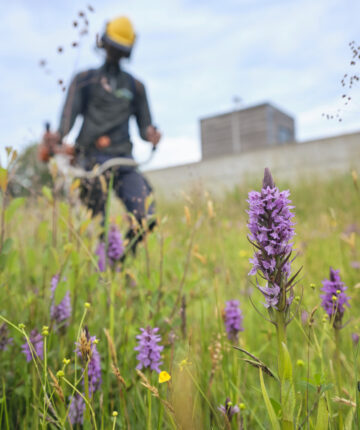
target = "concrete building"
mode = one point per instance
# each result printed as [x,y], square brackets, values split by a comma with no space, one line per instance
[244,130]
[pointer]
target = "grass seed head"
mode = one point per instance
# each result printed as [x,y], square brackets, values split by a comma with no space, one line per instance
[84,345]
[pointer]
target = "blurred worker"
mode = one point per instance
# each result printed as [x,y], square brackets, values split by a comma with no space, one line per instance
[106,98]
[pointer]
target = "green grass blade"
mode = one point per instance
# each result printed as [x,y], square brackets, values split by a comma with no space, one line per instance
[322,415]
[274,421]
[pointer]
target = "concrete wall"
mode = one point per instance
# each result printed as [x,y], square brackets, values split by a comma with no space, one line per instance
[287,162]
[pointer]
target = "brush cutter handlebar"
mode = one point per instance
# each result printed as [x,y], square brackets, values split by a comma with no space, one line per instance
[64,157]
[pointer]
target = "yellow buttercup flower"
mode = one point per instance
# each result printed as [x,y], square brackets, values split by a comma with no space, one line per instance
[164,376]
[184,363]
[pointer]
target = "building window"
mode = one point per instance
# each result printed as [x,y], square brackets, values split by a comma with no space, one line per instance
[284,134]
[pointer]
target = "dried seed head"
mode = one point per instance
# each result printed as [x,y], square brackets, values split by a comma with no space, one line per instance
[210,207]
[84,345]
[187,215]
[111,346]
[116,372]
[215,354]
[56,385]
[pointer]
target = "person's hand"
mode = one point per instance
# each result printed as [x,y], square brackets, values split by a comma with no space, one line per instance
[51,140]
[153,135]
[48,146]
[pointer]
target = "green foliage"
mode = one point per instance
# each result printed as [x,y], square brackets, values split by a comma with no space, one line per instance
[272,416]
[322,414]
[204,257]
[287,385]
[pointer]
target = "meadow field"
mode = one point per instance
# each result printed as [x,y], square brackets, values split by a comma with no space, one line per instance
[68,330]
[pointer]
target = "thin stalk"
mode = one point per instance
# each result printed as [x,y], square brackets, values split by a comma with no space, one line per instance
[54,221]
[160,416]
[85,400]
[356,418]
[114,423]
[4,406]
[70,219]
[201,391]
[112,308]
[308,379]
[337,364]
[186,268]
[149,410]
[161,272]
[77,339]
[45,382]
[86,386]
[147,254]
[2,231]
[34,387]
[107,216]
[286,424]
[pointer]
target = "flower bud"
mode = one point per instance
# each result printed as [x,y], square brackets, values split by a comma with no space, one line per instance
[60,374]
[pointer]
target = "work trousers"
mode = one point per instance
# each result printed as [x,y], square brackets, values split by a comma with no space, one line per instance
[129,185]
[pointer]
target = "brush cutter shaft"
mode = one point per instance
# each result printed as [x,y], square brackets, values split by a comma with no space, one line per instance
[77,172]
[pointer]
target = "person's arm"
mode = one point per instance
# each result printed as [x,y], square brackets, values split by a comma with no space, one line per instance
[51,143]
[72,107]
[143,117]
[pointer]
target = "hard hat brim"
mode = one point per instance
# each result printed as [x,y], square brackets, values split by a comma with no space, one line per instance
[117,45]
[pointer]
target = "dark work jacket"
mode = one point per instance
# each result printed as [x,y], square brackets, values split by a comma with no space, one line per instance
[106,98]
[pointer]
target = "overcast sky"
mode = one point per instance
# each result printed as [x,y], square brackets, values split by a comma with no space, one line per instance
[193,56]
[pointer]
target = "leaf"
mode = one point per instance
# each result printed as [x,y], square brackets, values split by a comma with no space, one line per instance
[349,420]
[47,193]
[75,258]
[43,231]
[92,281]
[257,362]
[285,370]
[287,385]
[318,379]
[276,405]
[61,289]
[14,156]
[322,419]
[84,226]
[274,421]
[3,178]
[304,385]
[14,205]
[75,184]
[326,387]
[7,246]
[3,260]
[55,256]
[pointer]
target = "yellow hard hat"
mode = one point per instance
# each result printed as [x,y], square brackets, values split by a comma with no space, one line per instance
[120,33]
